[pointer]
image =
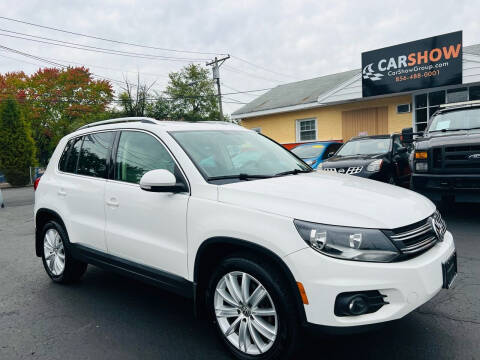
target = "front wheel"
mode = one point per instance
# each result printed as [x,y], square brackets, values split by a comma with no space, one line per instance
[253,311]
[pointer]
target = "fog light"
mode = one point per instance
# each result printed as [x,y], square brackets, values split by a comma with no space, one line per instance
[358,305]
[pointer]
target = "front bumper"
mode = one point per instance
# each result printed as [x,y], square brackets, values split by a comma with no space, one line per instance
[406,284]
[465,188]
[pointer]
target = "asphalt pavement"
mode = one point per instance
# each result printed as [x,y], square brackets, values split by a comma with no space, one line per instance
[106,316]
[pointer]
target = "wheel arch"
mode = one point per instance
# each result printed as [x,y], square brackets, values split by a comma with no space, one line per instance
[214,249]
[43,216]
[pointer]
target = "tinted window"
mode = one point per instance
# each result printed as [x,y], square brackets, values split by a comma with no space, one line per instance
[139,153]
[63,159]
[93,156]
[72,157]
[332,148]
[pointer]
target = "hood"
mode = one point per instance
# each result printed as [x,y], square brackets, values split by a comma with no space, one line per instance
[352,160]
[448,138]
[330,198]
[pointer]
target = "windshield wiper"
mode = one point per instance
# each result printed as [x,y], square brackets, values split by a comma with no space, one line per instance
[239,176]
[292,172]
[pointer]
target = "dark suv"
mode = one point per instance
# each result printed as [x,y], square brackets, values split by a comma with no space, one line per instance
[380,157]
[446,162]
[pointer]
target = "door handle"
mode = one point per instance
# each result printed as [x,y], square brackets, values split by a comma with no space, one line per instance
[62,192]
[113,202]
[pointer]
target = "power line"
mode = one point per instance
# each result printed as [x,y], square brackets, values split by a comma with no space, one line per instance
[261,67]
[57,64]
[95,49]
[239,91]
[109,40]
[232,69]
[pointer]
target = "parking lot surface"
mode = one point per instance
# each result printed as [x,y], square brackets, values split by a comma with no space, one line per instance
[106,316]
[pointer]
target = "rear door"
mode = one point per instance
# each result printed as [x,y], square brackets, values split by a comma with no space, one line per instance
[81,187]
[148,228]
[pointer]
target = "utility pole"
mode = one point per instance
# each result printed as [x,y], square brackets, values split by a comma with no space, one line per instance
[216,76]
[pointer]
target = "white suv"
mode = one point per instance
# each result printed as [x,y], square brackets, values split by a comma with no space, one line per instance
[264,245]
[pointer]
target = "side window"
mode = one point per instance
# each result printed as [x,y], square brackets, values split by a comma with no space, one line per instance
[139,153]
[62,164]
[331,148]
[93,156]
[396,144]
[72,158]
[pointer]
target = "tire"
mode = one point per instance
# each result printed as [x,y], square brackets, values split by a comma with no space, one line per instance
[54,238]
[391,180]
[284,323]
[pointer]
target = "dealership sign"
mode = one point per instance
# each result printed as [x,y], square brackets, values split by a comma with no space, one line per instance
[426,63]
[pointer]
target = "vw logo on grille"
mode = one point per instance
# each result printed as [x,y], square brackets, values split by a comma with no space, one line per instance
[341,171]
[473,157]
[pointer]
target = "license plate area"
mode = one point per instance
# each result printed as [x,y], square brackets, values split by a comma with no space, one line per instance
[449,269]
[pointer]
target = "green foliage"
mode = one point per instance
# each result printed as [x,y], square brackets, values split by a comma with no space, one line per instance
[17,150]
[56,102]
[190,95]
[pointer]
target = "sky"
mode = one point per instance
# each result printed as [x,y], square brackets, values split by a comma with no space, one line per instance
[270,42]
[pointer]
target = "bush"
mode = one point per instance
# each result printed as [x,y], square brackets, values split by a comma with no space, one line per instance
[17,150]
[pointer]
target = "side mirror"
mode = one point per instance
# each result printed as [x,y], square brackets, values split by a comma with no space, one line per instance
[160,180]
[330,154]
[407,135]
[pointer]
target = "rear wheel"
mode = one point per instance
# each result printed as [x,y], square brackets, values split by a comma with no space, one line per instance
[253,311]
[57,260]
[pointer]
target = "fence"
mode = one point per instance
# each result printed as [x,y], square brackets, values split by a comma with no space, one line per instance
[34,173]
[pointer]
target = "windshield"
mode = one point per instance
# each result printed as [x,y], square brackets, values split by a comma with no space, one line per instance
[456,120]
[308,151]
[365,147]
[219,153]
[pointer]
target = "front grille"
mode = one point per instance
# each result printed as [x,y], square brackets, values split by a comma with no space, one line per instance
[352,170]
[417,238]
[456,159]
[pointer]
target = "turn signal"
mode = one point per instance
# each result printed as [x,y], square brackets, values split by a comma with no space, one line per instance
[421,155]
[303,294]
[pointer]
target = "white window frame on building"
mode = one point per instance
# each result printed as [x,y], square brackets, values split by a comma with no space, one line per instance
[427,101]
[257,129]
[299,130]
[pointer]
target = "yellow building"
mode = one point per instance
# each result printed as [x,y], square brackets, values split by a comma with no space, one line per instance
[332,107]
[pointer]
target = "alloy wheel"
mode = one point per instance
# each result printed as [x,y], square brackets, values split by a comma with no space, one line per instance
[245,313]
[54,252]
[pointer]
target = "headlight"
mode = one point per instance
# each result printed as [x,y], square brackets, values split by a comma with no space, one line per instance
[421,166]
[375,165]
[347,243]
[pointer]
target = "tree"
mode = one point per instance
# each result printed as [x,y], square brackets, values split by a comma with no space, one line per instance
[134,98]
[17,150]
[56,101]
[191,95]
[62,100]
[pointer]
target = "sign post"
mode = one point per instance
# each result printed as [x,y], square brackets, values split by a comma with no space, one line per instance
[426,63]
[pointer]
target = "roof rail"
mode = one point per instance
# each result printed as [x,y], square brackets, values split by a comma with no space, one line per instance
[461,104]
[119,120]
